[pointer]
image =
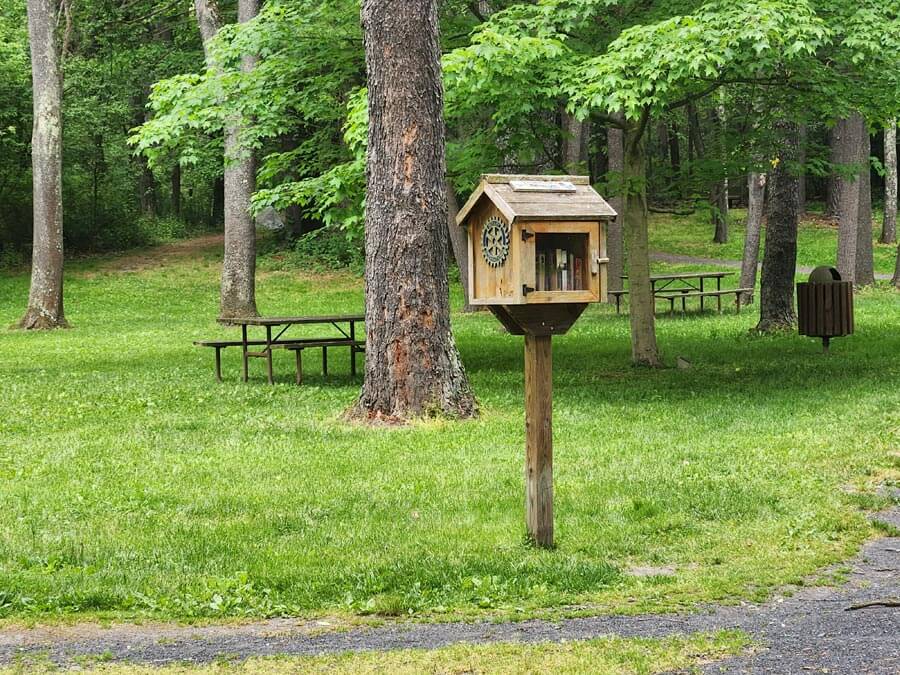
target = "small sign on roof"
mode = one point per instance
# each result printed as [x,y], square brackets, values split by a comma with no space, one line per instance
[541,186]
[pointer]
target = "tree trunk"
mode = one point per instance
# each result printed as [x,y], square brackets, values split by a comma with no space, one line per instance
[896,279]
[718,197]
[147,187]
[217,212]
[412,365]
[642,308]
[848,140]
[756,185]
[776,296]
[176,190]
[45,298]
[889,226]
[615,241]
[238,292]
[575,143]
[802,177]
[238,289]
[459,243]
[865,256]
[832,186]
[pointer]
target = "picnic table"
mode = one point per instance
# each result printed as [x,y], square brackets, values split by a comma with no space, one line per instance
[344,324]
[684,285]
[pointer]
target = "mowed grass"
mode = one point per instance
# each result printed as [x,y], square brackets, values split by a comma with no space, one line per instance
[606,655]
[816,239]
[132,484]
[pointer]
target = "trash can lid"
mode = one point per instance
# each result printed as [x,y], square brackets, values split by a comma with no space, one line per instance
[824,275]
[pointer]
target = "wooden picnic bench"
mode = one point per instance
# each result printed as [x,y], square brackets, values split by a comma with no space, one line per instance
[671,287]
[346,338]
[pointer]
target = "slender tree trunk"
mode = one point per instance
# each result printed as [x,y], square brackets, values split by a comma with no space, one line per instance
[45,298]
[896,279]
[459,242]
[889,226]
[576,133]
[832,186]
[756,184]
[217,210]
[848,139]
[642,308]
[176,190]
[776,297]
[412,365]
[615,236]
[865,256]
[802,162]
[718,198]
[238,288]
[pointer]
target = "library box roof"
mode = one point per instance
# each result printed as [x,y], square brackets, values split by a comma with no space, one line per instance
[520,197]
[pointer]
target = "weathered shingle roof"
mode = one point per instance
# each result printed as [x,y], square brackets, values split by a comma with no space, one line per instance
[520,197]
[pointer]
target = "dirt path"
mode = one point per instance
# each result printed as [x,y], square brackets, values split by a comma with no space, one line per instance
[675,259]
[813,628]
[159,256]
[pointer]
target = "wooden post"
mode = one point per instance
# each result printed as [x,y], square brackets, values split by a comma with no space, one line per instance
[539,439]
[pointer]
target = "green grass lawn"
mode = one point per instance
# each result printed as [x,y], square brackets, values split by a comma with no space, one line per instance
[133,484]
[816,240]
[612,656]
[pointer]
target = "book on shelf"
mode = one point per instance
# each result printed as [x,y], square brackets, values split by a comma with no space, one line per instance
[578,269]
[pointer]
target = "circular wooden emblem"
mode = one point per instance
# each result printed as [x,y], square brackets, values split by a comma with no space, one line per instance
[495,242]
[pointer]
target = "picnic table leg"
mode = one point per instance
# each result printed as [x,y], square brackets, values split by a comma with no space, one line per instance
[299,360]
[683,304]
[219,364]
[324,361]
[352,349]
[269,353]
[719,289]
[701,295]
[737,299]
[618,305]
[244,349]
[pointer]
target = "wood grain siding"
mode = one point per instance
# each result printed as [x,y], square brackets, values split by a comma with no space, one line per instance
[825,310]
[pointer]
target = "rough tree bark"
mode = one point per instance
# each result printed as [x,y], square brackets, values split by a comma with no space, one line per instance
[615,241]
[889,226]
[459,242]
[776,296]
[642,308]
[756,184]
[238,288]
[412,365]
[847,139]
[45,298]
[896,279]
[802,161]
[865,255]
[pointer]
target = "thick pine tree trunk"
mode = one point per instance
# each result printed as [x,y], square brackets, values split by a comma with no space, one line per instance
[756,184]
[45,298]
[865,256]
[642,309]
[802,162]
[848,141]
[896,279]
[832,186]
[615,236]
[412,364]
[776,297]
[889,226]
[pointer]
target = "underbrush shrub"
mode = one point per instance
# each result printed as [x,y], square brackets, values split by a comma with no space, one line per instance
[323,249]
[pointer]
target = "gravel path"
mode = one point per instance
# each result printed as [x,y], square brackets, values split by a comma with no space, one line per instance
[675,259]
[813,629]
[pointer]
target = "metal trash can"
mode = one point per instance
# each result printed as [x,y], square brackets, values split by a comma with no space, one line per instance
[825,306]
